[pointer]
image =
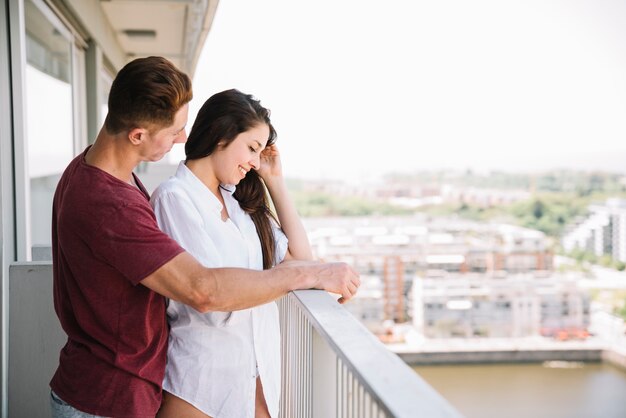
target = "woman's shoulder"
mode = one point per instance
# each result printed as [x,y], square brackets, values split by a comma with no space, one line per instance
[171,190]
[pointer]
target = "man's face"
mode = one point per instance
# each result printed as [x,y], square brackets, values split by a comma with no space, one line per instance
[160,142]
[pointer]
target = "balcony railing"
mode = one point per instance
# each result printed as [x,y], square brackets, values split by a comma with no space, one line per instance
[334,367]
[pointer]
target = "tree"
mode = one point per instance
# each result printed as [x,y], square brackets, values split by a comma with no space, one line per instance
[539,209]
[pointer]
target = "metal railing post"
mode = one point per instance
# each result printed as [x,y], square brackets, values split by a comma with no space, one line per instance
[324,373]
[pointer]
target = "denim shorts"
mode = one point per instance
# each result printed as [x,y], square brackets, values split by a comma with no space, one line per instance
[61,409]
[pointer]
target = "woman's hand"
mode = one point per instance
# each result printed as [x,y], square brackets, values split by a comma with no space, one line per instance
[271,166]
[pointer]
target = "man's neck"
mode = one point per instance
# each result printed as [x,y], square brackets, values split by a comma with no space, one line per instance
[113,155]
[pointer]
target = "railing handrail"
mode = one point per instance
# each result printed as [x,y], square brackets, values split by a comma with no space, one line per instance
[394,385]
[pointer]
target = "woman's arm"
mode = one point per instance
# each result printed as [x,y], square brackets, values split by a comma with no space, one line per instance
[271,173]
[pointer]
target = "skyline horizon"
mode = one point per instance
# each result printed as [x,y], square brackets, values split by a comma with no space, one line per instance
[615,165]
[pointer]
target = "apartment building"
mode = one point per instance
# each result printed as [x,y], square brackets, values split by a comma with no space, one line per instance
[519,306]
[601,232]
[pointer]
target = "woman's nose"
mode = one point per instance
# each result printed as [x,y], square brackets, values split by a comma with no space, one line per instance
[256,162]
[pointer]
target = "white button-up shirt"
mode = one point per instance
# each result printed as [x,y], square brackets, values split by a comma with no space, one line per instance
[213,358]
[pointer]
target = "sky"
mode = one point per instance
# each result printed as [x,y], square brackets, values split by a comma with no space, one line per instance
[358,89]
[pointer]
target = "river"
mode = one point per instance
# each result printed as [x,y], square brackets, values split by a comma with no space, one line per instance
[549,390]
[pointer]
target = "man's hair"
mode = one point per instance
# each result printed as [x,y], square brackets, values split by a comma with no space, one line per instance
[147,92]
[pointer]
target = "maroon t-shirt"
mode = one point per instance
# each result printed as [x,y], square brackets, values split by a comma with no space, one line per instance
[105,240]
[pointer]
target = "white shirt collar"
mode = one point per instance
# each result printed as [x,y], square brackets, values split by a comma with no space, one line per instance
[228,188]
[186,175]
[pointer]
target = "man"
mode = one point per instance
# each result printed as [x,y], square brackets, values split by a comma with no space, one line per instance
[113,267]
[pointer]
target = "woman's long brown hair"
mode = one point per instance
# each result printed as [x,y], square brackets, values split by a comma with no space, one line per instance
[222,117]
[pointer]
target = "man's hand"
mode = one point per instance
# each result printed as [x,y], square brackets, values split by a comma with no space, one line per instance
[337,278]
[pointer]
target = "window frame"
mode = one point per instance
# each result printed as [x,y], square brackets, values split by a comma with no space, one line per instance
[23,217]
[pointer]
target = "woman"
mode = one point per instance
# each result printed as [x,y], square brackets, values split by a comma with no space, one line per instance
[227,364]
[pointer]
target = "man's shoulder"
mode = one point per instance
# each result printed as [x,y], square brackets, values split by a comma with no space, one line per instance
[93,183]
[86,194]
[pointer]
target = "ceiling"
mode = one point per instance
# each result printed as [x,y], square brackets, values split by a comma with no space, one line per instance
[175,29]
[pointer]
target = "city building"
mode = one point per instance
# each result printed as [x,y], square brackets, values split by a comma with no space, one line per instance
[520,305]
[391,251]
[482,197]
[601,232]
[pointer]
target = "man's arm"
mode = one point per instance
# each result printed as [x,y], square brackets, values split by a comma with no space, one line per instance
[227,289]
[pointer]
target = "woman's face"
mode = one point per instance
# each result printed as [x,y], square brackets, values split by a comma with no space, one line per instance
[232,163]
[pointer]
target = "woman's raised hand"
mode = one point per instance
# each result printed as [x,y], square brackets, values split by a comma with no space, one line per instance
[270,166]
